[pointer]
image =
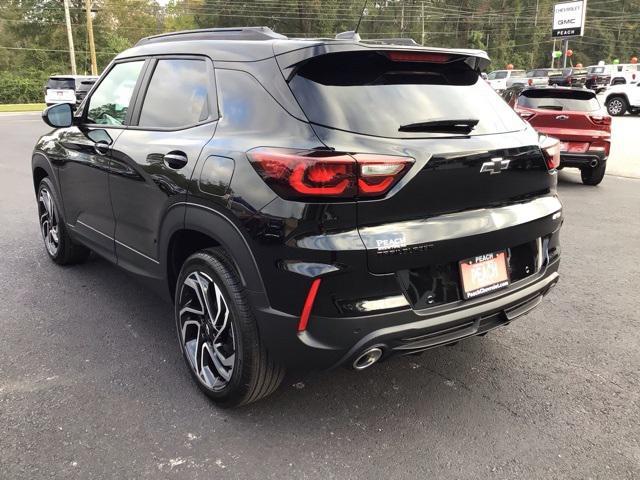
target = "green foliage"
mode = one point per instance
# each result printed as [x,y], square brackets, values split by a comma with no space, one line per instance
[514,31]
[22,88]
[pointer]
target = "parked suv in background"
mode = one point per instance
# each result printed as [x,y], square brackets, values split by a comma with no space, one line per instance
[621,99]
[503,79]
[67,88]
[568,77]
[575,117]
[305,203]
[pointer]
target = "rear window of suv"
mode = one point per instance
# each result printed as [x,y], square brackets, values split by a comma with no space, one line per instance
[569,100]
[61,84]
[368,93]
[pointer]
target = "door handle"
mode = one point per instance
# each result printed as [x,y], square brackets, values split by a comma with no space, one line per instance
[175,159]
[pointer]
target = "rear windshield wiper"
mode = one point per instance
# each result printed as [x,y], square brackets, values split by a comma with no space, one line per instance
[441,126]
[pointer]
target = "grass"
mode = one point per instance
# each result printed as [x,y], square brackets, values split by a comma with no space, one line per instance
[22,107]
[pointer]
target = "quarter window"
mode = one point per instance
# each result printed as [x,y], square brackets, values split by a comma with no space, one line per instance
[109,103]
[178,95]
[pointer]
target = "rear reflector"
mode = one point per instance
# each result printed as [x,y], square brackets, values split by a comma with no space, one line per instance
[304,174]
[551,150]
[431,57]
[308,305]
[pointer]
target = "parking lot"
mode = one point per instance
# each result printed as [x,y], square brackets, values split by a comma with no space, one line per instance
[92,383]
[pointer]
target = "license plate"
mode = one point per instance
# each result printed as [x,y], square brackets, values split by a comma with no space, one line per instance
[484,274]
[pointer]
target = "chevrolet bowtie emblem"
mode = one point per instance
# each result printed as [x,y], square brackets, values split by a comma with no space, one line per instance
[495,165]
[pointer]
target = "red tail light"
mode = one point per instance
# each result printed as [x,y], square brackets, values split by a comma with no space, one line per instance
[295,174]
[600,119]
[551,150]
[397,56]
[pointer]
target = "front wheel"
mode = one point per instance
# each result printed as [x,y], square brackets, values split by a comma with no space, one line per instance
[617,106]
[218,334]
[60,247]
[593,175]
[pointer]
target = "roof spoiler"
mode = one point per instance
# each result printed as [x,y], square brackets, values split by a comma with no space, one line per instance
[289,60]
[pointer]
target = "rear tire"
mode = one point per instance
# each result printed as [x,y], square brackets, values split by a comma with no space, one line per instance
[593,175]
[58,244]
[218,333]
[617,106]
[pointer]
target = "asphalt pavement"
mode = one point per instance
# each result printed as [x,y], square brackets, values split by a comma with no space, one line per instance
[92,384]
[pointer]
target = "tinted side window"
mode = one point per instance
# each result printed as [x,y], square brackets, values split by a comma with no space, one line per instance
[178,95]
[109,103]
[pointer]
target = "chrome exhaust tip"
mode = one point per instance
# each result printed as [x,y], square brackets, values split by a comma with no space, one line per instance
[593,163]
[368,358]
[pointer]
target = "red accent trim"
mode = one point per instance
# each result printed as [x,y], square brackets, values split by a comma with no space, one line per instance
[308,305]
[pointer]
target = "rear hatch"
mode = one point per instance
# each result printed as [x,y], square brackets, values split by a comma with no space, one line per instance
[573,116]
[435,109]
[61,89]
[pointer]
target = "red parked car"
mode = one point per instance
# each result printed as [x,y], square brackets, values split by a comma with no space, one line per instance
[576,118]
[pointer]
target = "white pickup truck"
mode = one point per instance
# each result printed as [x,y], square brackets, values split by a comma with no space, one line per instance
[623,98]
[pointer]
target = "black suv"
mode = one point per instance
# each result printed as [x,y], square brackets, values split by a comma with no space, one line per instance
[305,203]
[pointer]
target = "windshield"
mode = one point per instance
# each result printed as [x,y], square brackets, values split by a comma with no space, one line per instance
[367,93]
[596,70]
[61,84]
[570,100]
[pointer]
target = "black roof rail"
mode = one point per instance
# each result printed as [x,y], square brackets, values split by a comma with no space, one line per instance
[234,33]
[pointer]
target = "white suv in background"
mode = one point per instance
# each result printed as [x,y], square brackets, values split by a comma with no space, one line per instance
[503,79]
[64,88]
[623,98]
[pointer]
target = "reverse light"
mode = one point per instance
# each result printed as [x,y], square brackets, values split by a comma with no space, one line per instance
[304,174]
[431,57]
[551,150]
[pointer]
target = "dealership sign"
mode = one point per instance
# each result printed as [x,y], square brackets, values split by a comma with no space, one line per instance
[568,19]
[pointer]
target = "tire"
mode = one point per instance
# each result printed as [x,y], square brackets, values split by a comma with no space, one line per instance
[593,175]
[59,246]
[617,106]
[218,334]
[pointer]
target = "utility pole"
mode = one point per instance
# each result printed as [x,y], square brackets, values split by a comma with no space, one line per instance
[553,59]
[72,52]
[92,45]
[566,47]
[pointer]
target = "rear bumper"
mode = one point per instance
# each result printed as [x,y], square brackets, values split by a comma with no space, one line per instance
[579,160]
[400,332]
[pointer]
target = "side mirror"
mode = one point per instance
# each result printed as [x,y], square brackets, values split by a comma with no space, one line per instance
[58,116]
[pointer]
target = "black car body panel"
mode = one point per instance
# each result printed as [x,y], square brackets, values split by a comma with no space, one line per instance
[123,199]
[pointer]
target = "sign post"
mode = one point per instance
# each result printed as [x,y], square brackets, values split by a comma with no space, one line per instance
[568,22]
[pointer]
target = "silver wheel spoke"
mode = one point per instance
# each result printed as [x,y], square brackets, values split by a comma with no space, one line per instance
[206,330]
[48,221]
